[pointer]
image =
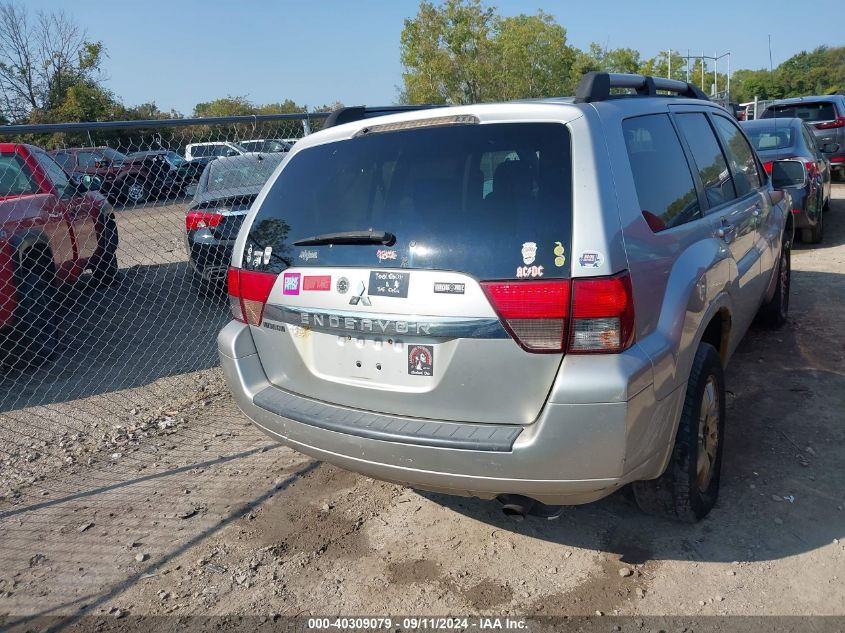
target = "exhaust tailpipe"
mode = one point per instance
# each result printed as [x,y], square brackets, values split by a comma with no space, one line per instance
[517,507]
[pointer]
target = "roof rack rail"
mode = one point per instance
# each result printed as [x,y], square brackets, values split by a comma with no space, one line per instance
[356,113]
[595,86]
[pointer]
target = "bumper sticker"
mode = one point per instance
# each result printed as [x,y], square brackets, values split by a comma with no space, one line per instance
[342,285]
[421,360]
[560,257]
[529,252]
[442,287]
[385,283]
[291,284]
[529,271]
[591,259]
[317,282]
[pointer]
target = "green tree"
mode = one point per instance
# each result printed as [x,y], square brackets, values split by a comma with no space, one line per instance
[226,106]
[447,54]
[531,57]
[47,65]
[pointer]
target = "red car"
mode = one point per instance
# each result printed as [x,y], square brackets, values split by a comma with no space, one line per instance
[52,228]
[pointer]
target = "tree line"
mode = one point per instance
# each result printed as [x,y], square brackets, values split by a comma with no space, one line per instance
[463,51]
[459,51]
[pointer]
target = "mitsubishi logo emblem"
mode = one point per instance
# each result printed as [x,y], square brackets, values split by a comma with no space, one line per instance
[360,297]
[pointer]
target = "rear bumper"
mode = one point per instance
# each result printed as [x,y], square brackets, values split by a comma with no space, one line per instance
[573,453]
[210,258]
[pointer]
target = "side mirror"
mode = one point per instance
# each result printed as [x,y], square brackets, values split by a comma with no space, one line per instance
[788,173]
[830,147]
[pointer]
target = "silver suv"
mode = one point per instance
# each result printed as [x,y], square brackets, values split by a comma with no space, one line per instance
[529,301]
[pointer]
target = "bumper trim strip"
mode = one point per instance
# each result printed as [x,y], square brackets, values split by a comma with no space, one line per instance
[390,428]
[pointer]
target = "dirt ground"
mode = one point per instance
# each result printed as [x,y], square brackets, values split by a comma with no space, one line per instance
[149,494]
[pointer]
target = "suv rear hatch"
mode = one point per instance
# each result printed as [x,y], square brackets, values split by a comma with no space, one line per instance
[382,245]
[822,115]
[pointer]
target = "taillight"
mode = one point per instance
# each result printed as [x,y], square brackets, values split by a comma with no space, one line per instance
[602,314]
[838,122]
[837,159]
[583,316]
[535,313]
[202,219]
[248,292]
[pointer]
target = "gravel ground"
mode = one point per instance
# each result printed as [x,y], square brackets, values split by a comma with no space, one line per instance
[148,494]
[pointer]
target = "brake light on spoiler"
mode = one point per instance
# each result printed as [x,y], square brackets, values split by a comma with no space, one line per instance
[837,122]
[582,316]
[248,293]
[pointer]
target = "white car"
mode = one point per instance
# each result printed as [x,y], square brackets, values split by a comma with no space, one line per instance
[214,149]
[266,145]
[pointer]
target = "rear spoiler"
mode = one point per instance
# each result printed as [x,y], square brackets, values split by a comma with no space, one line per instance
[357,113]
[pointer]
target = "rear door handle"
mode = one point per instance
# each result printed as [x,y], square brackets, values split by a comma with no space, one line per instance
[726,230]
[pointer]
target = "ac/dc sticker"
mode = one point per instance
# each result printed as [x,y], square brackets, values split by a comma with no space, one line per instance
[421,360]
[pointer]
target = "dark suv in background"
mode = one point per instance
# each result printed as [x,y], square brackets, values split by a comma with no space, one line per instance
[133,178]
[826,117]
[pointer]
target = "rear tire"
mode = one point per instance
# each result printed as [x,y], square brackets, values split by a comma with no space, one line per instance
[689,487]
[774,312]
[34,336]
[815,234]
[105,267]
[136,192]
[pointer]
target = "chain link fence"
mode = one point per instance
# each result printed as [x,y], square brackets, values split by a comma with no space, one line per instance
[114,242]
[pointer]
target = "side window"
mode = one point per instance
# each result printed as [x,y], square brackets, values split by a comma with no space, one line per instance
[87,160]
[809,139]
[665,188]
[64,159]
[15,177]
[709,160]
[743,164]
[199,151]
[54,172]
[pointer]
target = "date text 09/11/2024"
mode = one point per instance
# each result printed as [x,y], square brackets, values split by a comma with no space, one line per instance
[410,623]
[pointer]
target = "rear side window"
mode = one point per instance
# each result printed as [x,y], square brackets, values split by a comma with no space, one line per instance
[64,159]
[200,151]
[810,112]
[740,155]
[15,177]
[490,200]
[709,160]
[54,172]
[665,188]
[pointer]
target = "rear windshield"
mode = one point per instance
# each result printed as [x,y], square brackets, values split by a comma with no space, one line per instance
[490,200]
[815,111]
[236,172]
[765,139]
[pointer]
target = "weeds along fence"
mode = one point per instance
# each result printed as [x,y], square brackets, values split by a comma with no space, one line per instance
[114,240]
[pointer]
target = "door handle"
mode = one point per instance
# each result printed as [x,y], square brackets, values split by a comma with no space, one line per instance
[726,230]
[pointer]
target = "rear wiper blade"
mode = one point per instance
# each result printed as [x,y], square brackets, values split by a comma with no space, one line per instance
[349,237]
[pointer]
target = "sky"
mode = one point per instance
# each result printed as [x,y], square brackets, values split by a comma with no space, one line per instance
[178,53]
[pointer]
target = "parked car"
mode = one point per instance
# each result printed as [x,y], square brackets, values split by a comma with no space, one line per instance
[133,178]
[552,341]
[779,139]
[826,116]
[52,228]
[266,145]
[169,173]
[212,150]
[225,191]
